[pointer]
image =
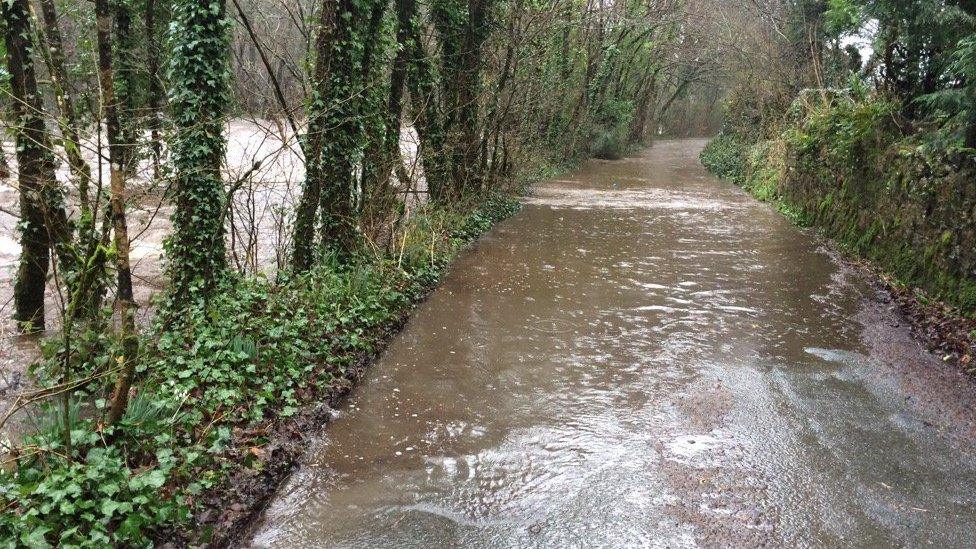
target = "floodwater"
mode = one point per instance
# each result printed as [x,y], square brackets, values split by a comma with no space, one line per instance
[257,229]
[644,356]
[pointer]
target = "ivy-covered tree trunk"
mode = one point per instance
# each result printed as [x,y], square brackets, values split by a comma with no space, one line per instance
[467,176]
[154,87]
[344,55]
[384,151]
[306,214]
[120,239]
[463,29]
[372,127]
[198,76]
[342,139]
[44,223]
[494,120]
[450,20]
[426,109]
[126,71]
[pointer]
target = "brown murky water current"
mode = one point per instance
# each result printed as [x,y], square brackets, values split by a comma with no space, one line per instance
[645,356]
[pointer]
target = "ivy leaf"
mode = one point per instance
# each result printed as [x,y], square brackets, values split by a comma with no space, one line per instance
[36,537]
[109,506]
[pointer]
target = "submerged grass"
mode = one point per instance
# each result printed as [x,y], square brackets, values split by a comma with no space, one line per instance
[210,385]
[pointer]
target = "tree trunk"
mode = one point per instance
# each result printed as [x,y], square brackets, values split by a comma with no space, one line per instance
[4,164]
[68,122]
[126,303]
[384,153]
[462,29]
[306,216]
[198,79]
[155,93]
[125,68]
[344,97]
[469,128]
[45,224]
[429,116]
[494,120]
[370,109]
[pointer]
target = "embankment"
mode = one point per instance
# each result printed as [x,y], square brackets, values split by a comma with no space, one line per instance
[226,396]
[843,163]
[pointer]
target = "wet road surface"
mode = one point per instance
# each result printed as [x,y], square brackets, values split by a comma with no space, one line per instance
[644,356]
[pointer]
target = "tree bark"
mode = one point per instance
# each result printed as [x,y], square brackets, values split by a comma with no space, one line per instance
[429,116]
[110,113]
[155,87]
[68,121]
[45,225]
[124,69]
[383,153]
[306,215]
[469,128]
[198,81]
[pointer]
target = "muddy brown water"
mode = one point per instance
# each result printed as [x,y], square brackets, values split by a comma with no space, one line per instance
[644,356]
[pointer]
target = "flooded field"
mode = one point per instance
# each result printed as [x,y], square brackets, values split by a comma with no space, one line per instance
[263,167]
[645,356]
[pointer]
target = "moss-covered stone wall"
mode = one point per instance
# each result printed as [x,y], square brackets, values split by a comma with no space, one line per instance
[843,165]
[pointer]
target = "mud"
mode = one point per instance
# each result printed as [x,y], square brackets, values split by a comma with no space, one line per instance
[644,356]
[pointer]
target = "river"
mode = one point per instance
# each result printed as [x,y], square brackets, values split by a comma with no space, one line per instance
[644,356]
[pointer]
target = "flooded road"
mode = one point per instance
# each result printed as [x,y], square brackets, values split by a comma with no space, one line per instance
[644,356]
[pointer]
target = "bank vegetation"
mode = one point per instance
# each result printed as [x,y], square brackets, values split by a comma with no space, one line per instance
[858,117]
[410,127]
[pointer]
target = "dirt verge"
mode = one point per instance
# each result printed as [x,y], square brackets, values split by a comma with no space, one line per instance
[943,329]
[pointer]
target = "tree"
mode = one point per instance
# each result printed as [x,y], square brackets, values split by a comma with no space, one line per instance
[343,61]
[384,151]
[198,97]
[422,83]
[462,28]
[68,121]
[116,151]
[314,147]
[127,83]
[45,224]
[154,88]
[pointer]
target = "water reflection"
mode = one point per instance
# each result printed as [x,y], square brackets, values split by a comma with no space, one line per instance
[643,356]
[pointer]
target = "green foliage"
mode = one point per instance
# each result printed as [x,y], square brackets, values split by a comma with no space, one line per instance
[198,96]
[496,208]
[254,354]
[611,129]
[725,156]
[843,131]
[843,164]
[956,106]
[91,502]
[842,16]
[765,171]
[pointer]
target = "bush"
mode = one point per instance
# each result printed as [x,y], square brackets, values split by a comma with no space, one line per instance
[725,156]
[95,501]
[611,130]
[764,171]
[842,163]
